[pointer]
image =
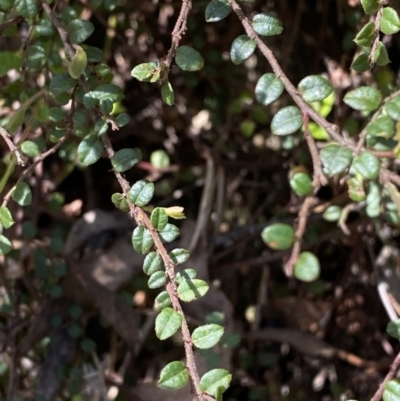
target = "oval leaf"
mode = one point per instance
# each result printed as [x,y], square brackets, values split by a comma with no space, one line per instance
[367,165]
[217,10]
[370,6]
[159,218]
[192,289]
[278,236]
[207,336]
[78,64]
[364,98]
[142,240]
[79,30]
[315,88]
[169,233]
[162,300]
[174,376]
[286,121]
[390,21]
[242,48]
[125,159]
[168,323]
[90,150]
[157,280]
[301,183]
[167,94]
[141,193]
[188,58]
[267,25]
[22,194]
[268,89]
[5,245]
[392,390]
[30,148]
[215,381]
[179,256]
[307,267]
[152,263]
[335,159]
[6,218]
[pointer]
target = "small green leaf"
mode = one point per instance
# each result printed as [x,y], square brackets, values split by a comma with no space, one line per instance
[392,108]
[27,8]
[286,121]
[44,27]
[147,72]
[159,159]
[179,256]
[169,233]
[390,21]
[315,88]
[101,127]
[9,61]
[373,200]
[61,83]
[120,202]
[380,56]
[207,336]
[215,381]
[393,328]
[122,119]
[335,159]
[6,218]
[152,263]
[366,35]
[383,127]
[392,390]
[141,193]
[5,245]
[268,89]
[35,57]
[78,64]
[79,30]
[168,323]
[30,148]
[159,218]
[157,280]
[278,236]
[364,98]
[192,289]
[90,150]
[162,300]
[188,59]
[242,48]
[22,194]
[87,345]
[125,159]
[102,93]
[167,94]
[185,275]
[307,267]
[361,63]
[301,183]
[370,6]
[332,213]
[267,25]
[356,189]
[217,10]
[142,240]
[174,376]
[367,165]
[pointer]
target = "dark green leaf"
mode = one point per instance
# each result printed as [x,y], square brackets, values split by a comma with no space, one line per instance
[122,119]
[361,63]
[168,323]
[267,25]
[335,159]
[61,83]
[157,279]
[392,108]
[27,8]
[90,150]
[162,300]
[366,35]
[9,61]
[159,218]
[207,336]
[242,48]
[35,57]
[174,376]
[125,159]
[142,240]
[103,92]
[188,59]
[315,88]
[152,263]
[286,121]
[169,233]
[79,30]
[22,194]
[217,10]
[367,165]
[393,328]
[120,202]
[383,127]
[5,245]
[268,89]
[380,56]
[167,94]
[141,193]
[87,345]
[364,98]
[307,267]
[278,236]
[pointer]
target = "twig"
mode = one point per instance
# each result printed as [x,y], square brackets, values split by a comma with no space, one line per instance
[301,228]
[378,18]
[395,365]
[7,139]
[179,31]
[319,178]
